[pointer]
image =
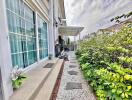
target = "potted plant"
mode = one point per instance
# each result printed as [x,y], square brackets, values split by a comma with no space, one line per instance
[17,77]
[50,56]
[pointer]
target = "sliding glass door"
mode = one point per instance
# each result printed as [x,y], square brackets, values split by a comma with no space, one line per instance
[21,24]
[42,37]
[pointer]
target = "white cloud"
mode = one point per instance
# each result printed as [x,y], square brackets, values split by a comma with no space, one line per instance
[94,14]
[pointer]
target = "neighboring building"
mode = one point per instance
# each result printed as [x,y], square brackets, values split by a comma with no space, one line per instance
[110,30]
[104,31]
[28,30]
[114,28]
[86,37]
[127,21]
[92,34]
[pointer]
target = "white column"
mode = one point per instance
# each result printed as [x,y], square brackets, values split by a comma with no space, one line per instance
[79,36]
[56,18]
[36,31]
[79,41]
[74,43]
[51,30]
[5,53]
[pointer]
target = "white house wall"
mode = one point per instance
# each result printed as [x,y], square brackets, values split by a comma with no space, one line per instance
[42,8]
[51,29]
[39,6]
[5,56]
[56,6]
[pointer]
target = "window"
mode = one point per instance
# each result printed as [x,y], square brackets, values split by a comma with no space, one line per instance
[21,27]
[42,36]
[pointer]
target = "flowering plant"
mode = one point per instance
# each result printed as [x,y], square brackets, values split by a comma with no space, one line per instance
[17,77]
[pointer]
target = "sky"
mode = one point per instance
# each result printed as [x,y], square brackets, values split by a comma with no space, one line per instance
[94,14]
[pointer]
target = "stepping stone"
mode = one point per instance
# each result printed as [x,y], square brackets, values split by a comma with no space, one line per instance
[73,85]
[72,72]
[72,58]
[72,66]
[73,62]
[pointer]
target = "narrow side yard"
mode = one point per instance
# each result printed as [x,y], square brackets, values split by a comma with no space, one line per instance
[73,86]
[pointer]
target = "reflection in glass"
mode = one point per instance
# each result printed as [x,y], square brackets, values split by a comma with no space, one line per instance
[42,35]
[21,27]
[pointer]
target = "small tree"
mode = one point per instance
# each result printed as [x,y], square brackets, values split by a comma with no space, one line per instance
[117,19]
[68,41]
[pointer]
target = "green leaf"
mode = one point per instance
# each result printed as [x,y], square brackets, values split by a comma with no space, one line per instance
[113,90]
[129,87]
[119,91]
[123,95]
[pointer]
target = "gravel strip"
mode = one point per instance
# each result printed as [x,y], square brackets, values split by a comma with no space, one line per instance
[73,94]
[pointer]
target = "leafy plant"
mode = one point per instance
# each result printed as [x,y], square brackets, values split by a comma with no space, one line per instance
[17,77]
[106,62]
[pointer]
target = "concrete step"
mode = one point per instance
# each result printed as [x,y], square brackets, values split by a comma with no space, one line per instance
[46,91]
[34,82]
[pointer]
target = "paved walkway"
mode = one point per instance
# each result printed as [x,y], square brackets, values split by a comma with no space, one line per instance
[73,86]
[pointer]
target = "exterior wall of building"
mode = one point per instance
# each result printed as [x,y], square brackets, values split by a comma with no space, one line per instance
[59,14]
[51,29]
[5,57]
[40,13]
[56,18]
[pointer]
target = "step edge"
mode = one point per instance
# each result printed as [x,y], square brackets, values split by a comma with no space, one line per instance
[36,92]
[53,84]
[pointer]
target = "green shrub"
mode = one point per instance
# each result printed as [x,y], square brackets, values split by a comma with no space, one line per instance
[18,82]
[106,61]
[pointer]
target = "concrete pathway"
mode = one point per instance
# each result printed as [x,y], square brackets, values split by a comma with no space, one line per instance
[73,86]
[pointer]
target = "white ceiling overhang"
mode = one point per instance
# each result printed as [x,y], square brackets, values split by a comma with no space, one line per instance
[70,30]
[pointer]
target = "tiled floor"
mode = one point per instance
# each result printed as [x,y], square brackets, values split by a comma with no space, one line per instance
[73,86]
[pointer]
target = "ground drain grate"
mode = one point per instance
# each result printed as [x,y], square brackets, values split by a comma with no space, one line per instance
[72,72]
[49,65]
[72,66]
[73,85]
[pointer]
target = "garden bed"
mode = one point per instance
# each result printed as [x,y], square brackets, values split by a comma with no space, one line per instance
[106,62]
